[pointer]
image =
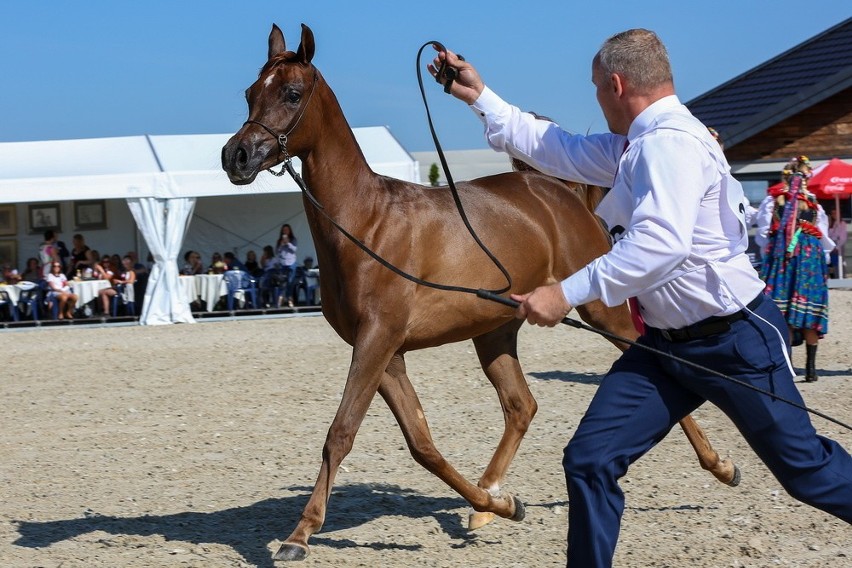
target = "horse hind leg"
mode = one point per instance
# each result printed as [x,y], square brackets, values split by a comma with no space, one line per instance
[498,356]
[617,321]
[399,394]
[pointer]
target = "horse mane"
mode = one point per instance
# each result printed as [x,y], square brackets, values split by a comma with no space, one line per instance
[590,195]
[280,59]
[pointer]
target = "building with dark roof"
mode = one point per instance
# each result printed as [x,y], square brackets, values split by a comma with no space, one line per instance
[799,102]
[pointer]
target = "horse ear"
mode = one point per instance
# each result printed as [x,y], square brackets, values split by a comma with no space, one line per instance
[306,48]
[276,42]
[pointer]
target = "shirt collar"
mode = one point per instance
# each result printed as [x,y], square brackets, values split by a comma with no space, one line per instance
[647,117]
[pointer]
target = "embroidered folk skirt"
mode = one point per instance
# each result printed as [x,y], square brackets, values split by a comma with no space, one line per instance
[797,283]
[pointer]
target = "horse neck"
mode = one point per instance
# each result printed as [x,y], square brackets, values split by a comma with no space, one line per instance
[335,162]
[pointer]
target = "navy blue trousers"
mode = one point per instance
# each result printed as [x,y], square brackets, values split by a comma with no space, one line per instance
[644,395]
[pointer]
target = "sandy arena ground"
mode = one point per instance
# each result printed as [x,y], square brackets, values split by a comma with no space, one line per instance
[197,445]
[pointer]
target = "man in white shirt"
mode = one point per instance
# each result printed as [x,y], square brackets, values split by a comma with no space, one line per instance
[675,213]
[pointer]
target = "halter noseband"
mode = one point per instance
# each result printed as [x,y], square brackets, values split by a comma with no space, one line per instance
[282,138]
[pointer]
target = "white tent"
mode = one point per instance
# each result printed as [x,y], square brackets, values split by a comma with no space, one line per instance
[161,178]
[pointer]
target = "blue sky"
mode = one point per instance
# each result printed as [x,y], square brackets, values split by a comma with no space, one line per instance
[117,68]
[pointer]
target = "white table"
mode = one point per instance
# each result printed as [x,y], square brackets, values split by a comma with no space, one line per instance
[13,291]
[87,290]
[210,287]
[188,289]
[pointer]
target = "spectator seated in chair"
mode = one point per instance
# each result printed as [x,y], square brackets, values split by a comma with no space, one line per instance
[59,295]
[240,281]
[306,281]
[122,283]
[232,262]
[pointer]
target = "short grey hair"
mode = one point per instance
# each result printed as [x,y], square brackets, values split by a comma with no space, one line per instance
[640,56]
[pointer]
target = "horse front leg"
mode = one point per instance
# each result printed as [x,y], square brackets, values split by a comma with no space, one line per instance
[497,351]
[397,391]
[365,374]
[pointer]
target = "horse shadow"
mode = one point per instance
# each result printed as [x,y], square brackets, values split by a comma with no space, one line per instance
[249,529]
[568,377]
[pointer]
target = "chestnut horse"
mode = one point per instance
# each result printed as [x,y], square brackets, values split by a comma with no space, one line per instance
[539,230]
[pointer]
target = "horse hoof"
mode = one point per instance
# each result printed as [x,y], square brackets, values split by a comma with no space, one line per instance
[520,510]
[736,479]
[479,519]
[290,552]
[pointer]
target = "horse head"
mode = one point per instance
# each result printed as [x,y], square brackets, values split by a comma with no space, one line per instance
[279,110]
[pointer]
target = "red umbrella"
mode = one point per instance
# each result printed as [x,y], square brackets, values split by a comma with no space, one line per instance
[832,179]
[775,189]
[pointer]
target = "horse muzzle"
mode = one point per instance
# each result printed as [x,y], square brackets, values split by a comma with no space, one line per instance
[243,159]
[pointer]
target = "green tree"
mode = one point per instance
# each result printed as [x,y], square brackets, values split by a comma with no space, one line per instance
[433,175]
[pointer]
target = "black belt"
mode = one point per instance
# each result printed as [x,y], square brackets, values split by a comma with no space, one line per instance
[709,326]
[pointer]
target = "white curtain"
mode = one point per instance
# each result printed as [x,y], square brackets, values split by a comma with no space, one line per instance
[163,223]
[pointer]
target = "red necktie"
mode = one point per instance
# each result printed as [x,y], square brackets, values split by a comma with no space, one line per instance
[635,314]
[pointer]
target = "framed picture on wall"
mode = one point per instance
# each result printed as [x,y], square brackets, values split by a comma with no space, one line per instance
[9,252]
[8,220]
[44,216]
[90,214]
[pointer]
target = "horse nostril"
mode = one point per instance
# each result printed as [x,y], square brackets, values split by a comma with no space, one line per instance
[242,157]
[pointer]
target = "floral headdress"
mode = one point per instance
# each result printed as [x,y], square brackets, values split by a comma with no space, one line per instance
[797,165]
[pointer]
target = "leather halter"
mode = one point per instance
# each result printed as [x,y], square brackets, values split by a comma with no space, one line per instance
[282,138]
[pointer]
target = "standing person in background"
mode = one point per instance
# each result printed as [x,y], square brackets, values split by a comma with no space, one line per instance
[79,248]
[285,249]
[794,266]
[675,212]
[48,253]
[837,232]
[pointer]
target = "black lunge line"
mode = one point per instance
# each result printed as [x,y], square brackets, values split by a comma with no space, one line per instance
[487,295]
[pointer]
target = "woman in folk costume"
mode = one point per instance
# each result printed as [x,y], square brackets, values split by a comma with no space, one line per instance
[794,266]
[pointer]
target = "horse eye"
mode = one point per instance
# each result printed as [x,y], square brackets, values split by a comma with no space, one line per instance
[292,96]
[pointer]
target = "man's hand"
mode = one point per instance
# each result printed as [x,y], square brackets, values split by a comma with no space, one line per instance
[468,85]
[544,306]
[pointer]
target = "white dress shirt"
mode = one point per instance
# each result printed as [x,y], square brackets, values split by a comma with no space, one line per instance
[675,211]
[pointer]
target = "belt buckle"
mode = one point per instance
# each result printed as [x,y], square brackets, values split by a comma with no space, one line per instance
[666,335]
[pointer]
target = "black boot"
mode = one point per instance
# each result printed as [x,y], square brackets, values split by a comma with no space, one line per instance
[810,364]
